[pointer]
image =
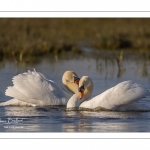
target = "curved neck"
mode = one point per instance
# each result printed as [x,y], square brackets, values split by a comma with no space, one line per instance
[72,87]
[75,101]
[88,91]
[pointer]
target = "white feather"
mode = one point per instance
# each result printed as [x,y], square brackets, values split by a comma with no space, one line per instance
[120,97]
[33,87]
[123,93]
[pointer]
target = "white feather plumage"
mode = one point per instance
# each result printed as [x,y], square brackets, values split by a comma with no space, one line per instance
[122,94]
[33,87]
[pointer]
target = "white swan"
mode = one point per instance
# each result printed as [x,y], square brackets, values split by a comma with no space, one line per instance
[120,97]
[33,89]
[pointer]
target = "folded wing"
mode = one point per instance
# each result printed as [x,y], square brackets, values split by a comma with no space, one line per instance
[122,94]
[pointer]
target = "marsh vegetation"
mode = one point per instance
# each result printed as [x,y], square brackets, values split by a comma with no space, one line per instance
[22,37]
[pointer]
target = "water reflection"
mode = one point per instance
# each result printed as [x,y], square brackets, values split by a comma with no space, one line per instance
[111,64]
[78,123]
[32,119]
[121,68]
[145,66]
[144,71]
[105,121]
[108,64]
[23,111]
[59,120]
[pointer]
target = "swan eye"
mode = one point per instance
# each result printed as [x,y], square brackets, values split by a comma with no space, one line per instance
[67,80]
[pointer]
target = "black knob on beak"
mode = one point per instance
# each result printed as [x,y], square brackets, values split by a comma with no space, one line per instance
[76,78]
[81,88]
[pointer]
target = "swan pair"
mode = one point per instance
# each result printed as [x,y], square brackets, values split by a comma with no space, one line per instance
[33,89]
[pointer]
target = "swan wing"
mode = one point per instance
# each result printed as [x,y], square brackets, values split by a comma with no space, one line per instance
[123,93]
[33,87]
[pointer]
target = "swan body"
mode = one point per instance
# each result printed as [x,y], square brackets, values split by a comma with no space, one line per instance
[120,97]
[34,89]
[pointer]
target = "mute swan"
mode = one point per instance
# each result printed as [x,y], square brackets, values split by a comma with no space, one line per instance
[120,97]
[33,89]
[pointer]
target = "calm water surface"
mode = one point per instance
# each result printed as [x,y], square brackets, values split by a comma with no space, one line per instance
[105,72]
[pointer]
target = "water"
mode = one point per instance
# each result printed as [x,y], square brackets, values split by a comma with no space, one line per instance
[105,72]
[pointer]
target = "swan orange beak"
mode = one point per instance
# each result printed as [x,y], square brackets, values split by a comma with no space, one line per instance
[76,80]
[81,93]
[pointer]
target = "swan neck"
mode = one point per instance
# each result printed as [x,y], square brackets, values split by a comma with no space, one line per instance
[75,101]
[72,87]
[88,91]
[69,85]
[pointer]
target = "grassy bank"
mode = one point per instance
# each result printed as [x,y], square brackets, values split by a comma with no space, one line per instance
[37,37]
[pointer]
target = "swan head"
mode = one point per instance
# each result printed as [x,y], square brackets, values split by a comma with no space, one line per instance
[85,86]
[71,81]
